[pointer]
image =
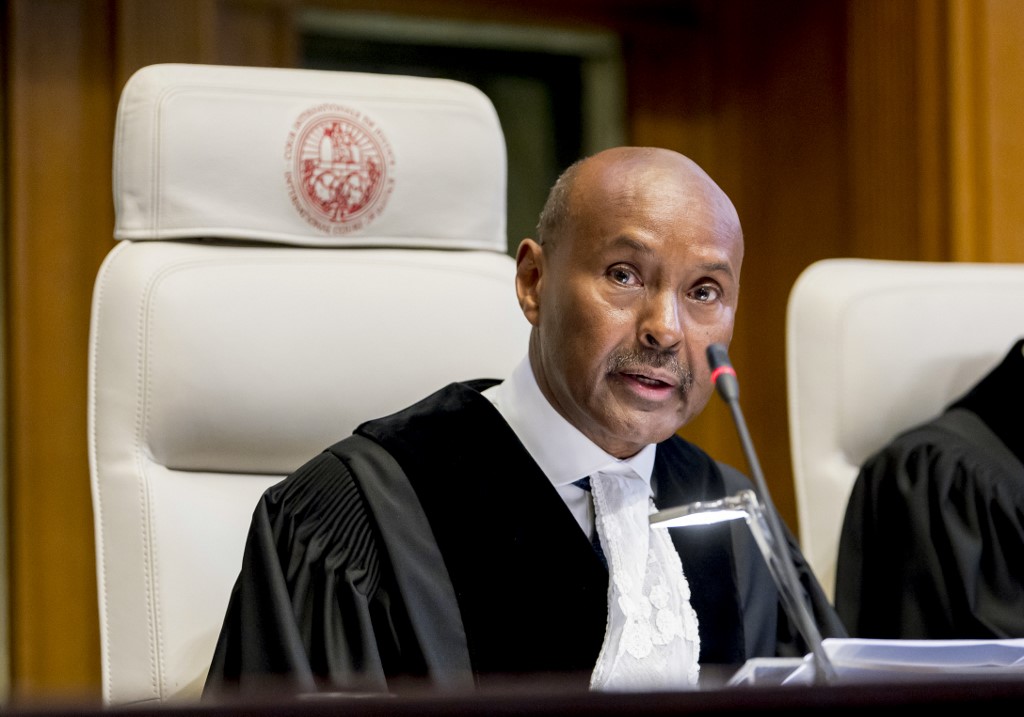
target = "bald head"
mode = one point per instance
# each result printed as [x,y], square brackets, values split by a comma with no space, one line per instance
[618,176]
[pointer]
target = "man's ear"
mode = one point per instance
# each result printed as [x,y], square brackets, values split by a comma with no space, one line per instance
[529,273]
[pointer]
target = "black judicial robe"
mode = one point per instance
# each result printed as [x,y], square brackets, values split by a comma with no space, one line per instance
[428,549]
[932,545]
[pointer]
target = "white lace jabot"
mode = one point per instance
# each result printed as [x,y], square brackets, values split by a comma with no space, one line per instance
[651,641]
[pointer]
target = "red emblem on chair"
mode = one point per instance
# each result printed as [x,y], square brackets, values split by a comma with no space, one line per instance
[340,168]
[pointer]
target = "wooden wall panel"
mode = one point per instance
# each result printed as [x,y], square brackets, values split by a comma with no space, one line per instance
[67,61]
[1004,58]
[229,32]
[150,32]
[986,57]
[257,34]
[59,217]
[931,132]
[882,77]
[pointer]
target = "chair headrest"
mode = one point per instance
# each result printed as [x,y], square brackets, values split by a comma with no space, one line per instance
[308,157]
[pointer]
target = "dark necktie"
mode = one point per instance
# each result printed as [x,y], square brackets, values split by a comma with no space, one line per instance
[595,539]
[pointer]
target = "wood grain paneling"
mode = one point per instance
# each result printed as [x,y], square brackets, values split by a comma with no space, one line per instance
[151,32]
[986,58]
[67,61]
[59,218]
[1004,57]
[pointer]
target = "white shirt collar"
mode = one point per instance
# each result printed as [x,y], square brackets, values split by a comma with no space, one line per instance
[559,448]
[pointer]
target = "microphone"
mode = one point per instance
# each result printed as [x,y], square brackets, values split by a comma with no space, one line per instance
[779,560]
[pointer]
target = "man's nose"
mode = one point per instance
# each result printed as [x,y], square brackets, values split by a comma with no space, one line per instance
[661,324]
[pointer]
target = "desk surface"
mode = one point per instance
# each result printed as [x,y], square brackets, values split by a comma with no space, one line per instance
[1000,696]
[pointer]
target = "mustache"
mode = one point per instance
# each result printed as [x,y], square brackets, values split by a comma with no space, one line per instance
[634,360]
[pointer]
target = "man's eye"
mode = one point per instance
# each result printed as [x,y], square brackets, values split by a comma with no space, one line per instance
[623,276]
[705,293]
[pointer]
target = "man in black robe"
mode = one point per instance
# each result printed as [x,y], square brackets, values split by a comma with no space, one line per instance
[442,545]
[932,545]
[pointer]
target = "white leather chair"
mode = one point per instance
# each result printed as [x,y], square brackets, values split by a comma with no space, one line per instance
[874,347]
[298,251]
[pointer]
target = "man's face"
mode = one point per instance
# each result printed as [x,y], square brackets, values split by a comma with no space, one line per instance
[626,301]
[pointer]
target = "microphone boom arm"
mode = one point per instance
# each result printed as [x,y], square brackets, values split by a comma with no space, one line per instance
[784,572]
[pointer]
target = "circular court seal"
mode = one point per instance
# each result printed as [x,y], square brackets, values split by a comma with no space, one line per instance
[340,168]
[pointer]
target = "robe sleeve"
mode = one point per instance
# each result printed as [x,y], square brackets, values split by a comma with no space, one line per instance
[314,606]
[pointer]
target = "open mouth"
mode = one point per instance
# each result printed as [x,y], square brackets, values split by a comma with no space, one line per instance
[650,377]
[648,381]
[647,388]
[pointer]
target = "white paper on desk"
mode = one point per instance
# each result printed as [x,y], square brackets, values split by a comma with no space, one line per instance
[857,659]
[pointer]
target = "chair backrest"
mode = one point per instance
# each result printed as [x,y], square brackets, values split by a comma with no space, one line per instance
[874,347]
[298,251]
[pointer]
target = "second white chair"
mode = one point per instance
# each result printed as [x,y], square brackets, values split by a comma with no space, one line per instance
[874,347]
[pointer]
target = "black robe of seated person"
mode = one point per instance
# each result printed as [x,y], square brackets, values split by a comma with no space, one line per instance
[932,545]
[429,550]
